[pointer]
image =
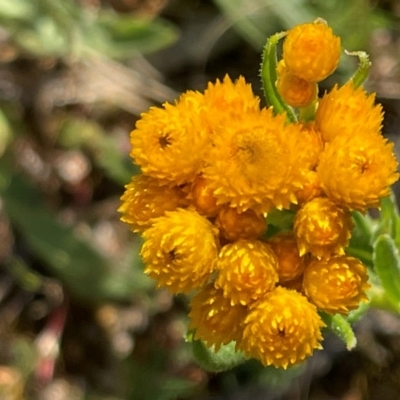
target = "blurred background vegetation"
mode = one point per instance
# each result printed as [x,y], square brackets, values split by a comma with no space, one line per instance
[78,319]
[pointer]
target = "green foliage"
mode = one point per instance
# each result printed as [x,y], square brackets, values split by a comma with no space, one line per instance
[60,29]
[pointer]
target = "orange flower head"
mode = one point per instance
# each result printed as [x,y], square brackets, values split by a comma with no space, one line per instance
[246,225]
[295,91]
[281,329]
[214,319]
[202,198]
[336,285]
[290,263]
[169,143]
[145,199]
[348,111]
[180,250]
[246,270]
[357,171]
[311,51]
[322,228]
[255,162]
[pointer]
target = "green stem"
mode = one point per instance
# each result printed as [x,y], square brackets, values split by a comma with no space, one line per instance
[269,77]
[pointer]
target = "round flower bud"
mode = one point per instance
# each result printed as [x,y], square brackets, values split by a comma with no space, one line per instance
[311,51]
[322,228]
[214,319]
[336,285]
[202,197]
[245,225]
[295,91]
[281,329]
[246,270]
[290,263]
[180,250]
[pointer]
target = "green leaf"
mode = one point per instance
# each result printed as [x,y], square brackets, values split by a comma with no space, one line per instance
[86,273]
[390,218]
[360,245]
[341,327]
[268,78]
[224,359]
[387,265]
[364,65]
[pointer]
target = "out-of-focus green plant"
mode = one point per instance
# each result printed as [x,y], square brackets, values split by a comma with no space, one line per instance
[61,28]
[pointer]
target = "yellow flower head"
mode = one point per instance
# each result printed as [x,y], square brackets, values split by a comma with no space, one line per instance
[145,199]
[294,91]
[214,319]
[336,285]
[282,329]
[312,145]
[311,51]
[246,270]
[347,111]
[169,143]
[227,99]
[255,162]
[246,225]
[356,171]
[322,228]
[290,263]
[180,250]
[202,198]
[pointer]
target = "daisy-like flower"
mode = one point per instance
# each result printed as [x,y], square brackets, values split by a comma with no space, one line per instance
[169,143]
[145,199]
[214,319]
[347,111]
[173,254]
[294,91]
[290,263]
[356,171]
[322,228]
[246,270]
[255,162]
[246,225]
[281,329]
[336,285]
[311,51]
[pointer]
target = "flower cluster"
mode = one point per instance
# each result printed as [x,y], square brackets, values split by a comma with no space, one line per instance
[216,164]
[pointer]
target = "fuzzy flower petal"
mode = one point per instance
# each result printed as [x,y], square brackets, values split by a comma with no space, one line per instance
[347,111]
[214,319]
[282,329]
[169,143]
[322,228]
[229,99]
[255,162]
[246,270]
[311,51]
[173,254]
[145,199]
[336,285]
[357,171]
